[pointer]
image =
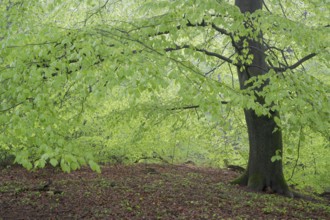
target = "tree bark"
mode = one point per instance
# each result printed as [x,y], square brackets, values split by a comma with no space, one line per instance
[261,174]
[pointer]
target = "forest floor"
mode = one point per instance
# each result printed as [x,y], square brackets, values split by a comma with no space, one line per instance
[143,191]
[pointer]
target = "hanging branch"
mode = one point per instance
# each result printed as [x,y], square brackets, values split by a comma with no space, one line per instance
[298,153]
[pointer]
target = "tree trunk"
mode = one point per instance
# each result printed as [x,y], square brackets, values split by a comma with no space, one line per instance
[261,173]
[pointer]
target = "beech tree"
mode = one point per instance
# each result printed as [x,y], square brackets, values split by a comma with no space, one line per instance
[252,50]
[263,172]
[265,140]
[58,68]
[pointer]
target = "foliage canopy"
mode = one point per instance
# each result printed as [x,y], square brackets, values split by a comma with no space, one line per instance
[83,81]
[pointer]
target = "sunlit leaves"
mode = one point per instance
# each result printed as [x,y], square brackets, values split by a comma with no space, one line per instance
[83,81]
[94,166]
[277,156]
[53,162]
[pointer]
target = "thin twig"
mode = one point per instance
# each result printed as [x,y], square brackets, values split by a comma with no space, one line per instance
[298,153]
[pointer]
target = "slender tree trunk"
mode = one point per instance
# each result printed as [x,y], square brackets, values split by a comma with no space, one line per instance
[261,173]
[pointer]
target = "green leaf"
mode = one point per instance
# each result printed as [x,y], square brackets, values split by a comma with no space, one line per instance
[26,164]
[40,163]
[277,156]
[64,166]
[94,166]
[53,162]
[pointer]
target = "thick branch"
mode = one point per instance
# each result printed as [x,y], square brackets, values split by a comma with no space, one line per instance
[201,24]
[209,53]
[12,107]
[177,47]
[293,66]
[17,104]
[221,30]
[184,107]
[215,55]
[192,106]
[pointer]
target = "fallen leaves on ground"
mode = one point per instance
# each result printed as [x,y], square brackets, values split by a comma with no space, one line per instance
[142,191]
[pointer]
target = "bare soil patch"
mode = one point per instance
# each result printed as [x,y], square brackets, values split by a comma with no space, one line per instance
[142,191]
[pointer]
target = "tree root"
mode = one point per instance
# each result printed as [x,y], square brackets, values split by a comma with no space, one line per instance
[257,184]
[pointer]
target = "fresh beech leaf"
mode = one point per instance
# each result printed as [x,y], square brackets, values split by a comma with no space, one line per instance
[94,166]
[277,156]
[53,162]
[64,166]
